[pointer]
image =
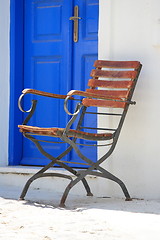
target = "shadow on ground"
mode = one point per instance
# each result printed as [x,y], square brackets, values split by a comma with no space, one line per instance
[49,199]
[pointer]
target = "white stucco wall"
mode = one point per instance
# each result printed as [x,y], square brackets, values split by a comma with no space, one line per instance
[4,80]
[130,30]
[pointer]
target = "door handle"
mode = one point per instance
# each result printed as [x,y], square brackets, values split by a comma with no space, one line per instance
[75,19]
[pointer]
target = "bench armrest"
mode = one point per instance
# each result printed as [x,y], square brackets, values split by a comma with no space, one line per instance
[45,94]
[86,94]
[99,96]
[40,93]
[91,95]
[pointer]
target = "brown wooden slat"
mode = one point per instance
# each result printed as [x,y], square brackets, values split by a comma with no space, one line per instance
[109,84]
[102,103]
[113,74]
[57,132]
[111,94]
[116,64]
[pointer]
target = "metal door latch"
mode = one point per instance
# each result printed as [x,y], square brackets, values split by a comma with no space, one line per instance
[75,18]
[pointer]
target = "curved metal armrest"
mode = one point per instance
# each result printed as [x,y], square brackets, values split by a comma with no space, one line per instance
[40,93]
[79,93]
[99,96]
[69,95]
[90,95]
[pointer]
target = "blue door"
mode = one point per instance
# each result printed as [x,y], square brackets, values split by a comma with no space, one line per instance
[55,62]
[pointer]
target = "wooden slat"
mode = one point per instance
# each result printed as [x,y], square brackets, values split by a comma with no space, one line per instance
[57,132]
[102,103]
[109,93]
[116,64]
[109,84]
[113,74]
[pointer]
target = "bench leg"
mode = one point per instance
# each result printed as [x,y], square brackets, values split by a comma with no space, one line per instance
[110,176]
[67,190]
[42,174]
[74,172]
[53,161]
[36,176]
[25,189]
[39,175]
[80,177]
[84,181]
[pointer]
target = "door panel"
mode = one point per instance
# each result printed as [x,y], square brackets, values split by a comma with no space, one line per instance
[54,63]
[47,50]
[90,14]
[47,21]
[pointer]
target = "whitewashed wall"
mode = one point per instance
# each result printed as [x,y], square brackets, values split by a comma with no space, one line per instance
[130,30]
[4,80]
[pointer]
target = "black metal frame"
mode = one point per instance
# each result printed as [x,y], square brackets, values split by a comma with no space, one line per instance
[94,167]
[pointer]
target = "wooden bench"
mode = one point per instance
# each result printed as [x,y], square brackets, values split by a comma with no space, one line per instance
[111,87]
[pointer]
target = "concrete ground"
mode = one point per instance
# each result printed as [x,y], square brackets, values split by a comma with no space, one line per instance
[91,218]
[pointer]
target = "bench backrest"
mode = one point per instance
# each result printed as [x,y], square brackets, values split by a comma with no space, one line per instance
[115,80]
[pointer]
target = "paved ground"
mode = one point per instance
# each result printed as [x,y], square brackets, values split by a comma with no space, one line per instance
[91,218]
